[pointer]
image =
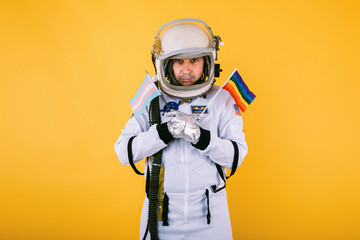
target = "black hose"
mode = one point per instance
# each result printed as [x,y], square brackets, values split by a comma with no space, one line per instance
[155,118]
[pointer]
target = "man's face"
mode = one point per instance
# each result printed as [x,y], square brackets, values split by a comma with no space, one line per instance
[188,71]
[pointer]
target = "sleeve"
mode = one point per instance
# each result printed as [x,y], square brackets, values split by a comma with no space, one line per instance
[147,141]
[220,146]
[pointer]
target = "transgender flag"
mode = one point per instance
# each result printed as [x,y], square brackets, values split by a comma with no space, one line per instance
[239,90]
[147,92]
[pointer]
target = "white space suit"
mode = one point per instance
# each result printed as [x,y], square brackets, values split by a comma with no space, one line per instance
[190,169]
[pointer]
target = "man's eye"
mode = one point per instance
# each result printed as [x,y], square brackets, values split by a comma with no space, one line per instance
[195,60]
[178,60]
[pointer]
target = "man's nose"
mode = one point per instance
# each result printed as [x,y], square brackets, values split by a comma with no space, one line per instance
[186,68]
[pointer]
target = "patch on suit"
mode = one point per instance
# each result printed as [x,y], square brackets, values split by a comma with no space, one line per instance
[237,110]
[170,105]
[198,109]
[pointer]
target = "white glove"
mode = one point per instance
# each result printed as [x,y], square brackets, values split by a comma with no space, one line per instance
[183,126]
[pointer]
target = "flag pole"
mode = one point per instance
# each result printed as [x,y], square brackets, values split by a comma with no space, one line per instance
[157,90]
[217,93]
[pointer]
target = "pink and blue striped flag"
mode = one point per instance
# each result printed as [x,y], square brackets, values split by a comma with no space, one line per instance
[147,92]
[239,90]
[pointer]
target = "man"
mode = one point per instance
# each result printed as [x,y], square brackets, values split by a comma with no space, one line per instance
[195,150]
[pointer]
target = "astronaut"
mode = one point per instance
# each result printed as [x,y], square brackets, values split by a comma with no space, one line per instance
[196,148]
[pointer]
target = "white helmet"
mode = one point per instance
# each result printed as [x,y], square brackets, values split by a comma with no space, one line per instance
[181,39]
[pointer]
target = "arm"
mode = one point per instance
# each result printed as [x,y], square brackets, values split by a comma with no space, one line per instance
[217,146]
[147,141]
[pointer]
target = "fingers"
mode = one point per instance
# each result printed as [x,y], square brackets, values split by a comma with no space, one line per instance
[178,132]
[172,113]
[176,128]
[178,118]
[175,120]
[196,119]
[176,123]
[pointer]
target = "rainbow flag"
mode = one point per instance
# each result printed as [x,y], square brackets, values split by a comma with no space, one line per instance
[239,90]
[147,92]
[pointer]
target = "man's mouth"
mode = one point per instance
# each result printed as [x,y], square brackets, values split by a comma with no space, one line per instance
[187,77]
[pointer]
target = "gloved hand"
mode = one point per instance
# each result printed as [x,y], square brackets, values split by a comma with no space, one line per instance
[183,126]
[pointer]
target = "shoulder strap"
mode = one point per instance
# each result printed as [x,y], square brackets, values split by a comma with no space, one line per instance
[220,171]
[130,156]
[234,165]
[236,159]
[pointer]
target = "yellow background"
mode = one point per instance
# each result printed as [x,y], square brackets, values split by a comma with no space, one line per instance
[68,68]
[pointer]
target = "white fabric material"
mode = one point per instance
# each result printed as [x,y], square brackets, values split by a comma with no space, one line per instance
[188,170]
